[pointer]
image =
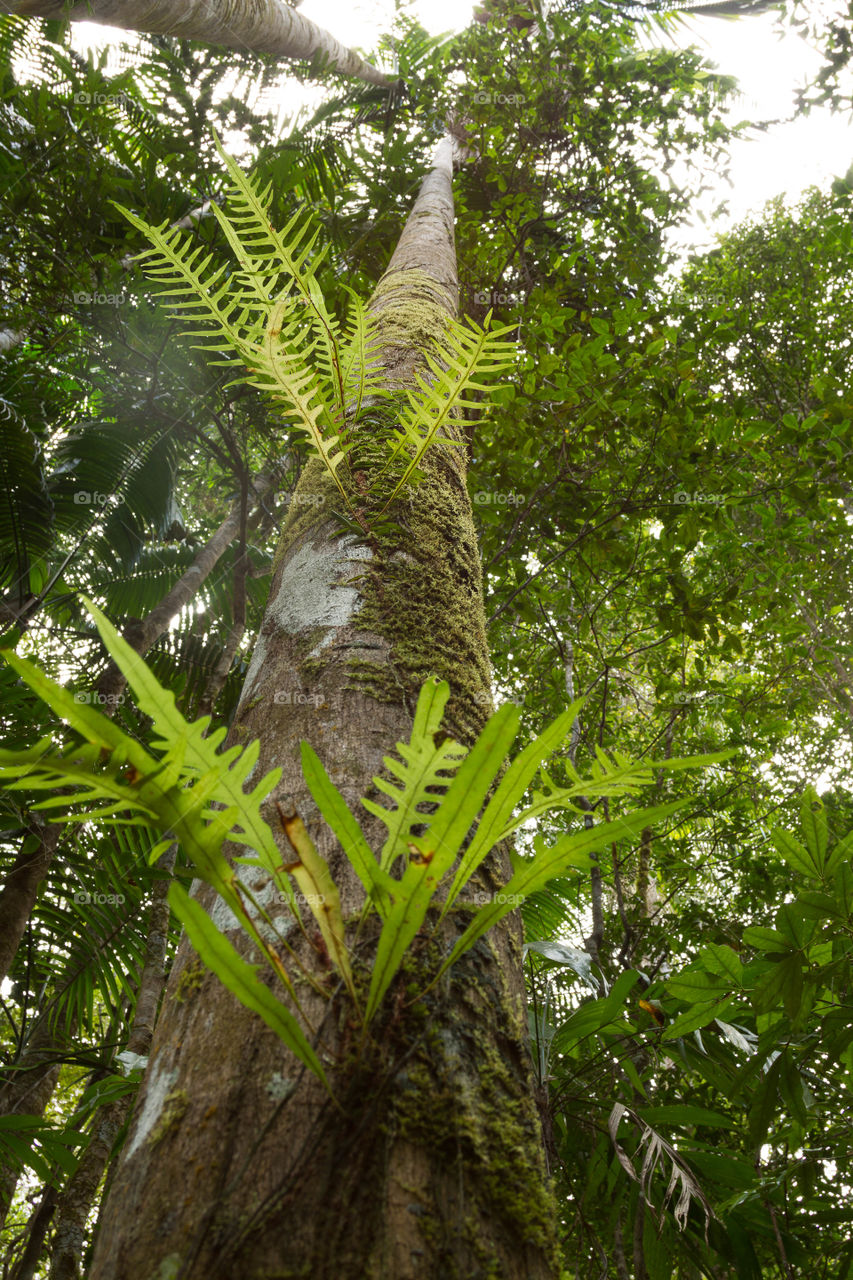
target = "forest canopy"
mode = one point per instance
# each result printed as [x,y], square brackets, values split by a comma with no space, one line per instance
[508,485]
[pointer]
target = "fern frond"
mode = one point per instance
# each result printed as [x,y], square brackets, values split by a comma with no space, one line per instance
[287,377]
[181,268]
[361,371]
[261,249]
[425,771]
[265,336]
[465,356]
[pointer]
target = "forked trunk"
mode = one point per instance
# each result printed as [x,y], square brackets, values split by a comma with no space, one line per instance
[237,1164]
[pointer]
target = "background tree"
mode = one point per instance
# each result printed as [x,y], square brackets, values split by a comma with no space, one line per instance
[677,464]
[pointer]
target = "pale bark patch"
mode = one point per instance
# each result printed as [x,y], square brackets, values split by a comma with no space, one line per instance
[160,1084]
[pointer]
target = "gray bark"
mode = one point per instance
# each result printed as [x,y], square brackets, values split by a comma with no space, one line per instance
[259,26]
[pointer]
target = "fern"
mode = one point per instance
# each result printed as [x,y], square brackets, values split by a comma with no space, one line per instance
[269,312]
[441,824]
[440,402]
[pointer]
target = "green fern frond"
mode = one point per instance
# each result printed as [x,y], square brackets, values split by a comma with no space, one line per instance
[261,248]
[361,369]
[424,771]
[266,337]
[465,357]
[286,376]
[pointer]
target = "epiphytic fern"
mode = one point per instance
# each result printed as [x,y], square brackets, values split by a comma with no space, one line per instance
[445,817]
[270,313]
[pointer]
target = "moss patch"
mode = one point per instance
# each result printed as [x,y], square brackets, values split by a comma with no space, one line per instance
[174,1108]
[190,980]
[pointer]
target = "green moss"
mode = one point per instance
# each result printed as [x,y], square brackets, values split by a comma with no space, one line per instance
[409,310]
[190,980]
[422,594]
[490,1136]
[174,1108]
[168,1269]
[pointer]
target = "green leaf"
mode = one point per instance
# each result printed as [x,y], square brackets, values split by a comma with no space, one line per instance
[425,773]
[763,1107]
[570,851]
[724,961]
[701,1015]
[783,984]
[241,979]
[340,818]
[694,985]
[684,1116]
[765,939]
[795,854]
[815,828]
[494,823]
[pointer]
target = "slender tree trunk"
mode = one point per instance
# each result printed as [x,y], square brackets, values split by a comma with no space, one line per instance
[28,1088]
[20,889]
[237,1164]
[142,635]
[262,26]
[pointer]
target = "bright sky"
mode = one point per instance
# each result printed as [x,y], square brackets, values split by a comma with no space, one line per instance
[786,159]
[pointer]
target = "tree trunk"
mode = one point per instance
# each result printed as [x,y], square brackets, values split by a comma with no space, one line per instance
[28,1087]
[143,634]
[20,888]
[260,26]
[237,1164]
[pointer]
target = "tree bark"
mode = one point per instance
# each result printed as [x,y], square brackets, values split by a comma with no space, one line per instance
[20,889]
[237,1164]
[260,26]
[28,1088]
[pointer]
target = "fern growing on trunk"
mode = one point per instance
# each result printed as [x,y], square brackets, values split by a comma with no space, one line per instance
[190,790]
[280,334]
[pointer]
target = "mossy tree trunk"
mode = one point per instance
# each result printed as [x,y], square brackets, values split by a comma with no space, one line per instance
[237,1164]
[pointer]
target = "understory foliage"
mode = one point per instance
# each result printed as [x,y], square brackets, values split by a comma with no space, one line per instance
[662,492]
